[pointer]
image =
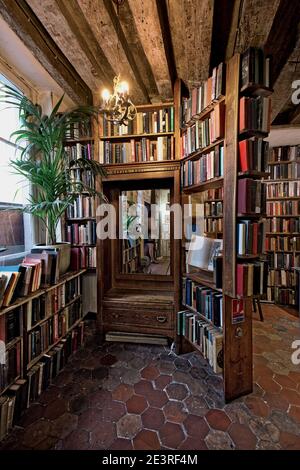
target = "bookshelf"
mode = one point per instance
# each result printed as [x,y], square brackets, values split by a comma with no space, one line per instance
[80,218]
[40,331]
[283,225]
[148,138]
[224,196]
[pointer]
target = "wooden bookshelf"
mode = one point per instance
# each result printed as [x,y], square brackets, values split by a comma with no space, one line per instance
[253,174]
[210,184]
[274,293]
[80,140]
[201,279]
[137,136]
[254,89]
[205,113]
[198,153]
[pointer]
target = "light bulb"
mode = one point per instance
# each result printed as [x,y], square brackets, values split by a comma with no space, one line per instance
[123,88]
[105,95]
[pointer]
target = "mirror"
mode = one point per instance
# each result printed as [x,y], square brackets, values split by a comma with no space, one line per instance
[145,229]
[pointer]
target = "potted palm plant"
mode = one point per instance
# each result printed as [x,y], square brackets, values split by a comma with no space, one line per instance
[42,161]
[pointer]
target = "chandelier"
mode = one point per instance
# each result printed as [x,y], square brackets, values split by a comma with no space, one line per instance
[118,107]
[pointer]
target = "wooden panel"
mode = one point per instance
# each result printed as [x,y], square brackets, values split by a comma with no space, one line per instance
[237,352]
[230,174]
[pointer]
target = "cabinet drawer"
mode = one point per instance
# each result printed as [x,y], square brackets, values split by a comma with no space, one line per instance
[158,319]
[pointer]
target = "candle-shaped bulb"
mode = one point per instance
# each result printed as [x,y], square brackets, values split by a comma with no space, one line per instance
[105,95]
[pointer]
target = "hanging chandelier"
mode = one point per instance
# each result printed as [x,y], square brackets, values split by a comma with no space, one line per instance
[118,107]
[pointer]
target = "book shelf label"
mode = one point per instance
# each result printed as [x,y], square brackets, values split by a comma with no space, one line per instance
[237,311]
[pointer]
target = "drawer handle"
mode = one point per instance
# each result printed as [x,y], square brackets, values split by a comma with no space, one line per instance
[161,319]
[116,315]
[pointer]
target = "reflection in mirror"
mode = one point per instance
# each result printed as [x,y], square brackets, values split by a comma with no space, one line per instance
[145,243]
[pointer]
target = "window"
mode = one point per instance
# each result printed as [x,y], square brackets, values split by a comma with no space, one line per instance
[13,191]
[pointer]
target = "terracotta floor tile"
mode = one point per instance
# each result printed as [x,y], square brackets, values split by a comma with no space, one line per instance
[136,404]
[217,419]
[146,440]
[122,393]
[77,440]
[218,440]
[268,384]
[171,435]
[294,412]
[150,373]
[153,418]
[192,443]
[276,402]
[289,441]
[285,381]
[113,411]
[108,360]
[242,437]
[128,426]
[157,398]
[257,406]
[196,426]
[143,387]
[121,444]
[174,412]
[103,435]
[291,396]
[162,381]
[177,391]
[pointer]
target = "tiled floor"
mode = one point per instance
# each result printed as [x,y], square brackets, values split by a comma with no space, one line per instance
[140,397]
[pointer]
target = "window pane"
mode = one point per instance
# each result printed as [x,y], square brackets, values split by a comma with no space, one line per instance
[9,117]
[13,188]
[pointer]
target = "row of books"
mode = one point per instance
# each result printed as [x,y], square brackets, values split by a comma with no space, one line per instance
[43,336]
[255,114]
[10,368]
[146,122]
[81,178]
[82,234]
[24,391]
[209,340]
[283,208]
[213,209]
[77,130]
[255,68]
[289,226]
[79,151]
[203,300]
[283,260]
[204,133]
[208,166]
[251,197]
[83,257]
[250,237]
[251,278]
[82,207]
[205,94]
[281,295]
[253,154]
[282,243]
[284,154]
[51,302]
[285,189]
[11,325]
[144,150]
[214,194]
[282,278]
[132,252]
[213,226]
[282,171]
[39,269]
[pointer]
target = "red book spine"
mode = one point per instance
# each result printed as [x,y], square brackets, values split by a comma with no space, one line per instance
[243,156]
[255,238]
[242,114]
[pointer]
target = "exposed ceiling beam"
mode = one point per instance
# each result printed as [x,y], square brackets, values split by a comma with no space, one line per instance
[30,30]
[234,30]
[283,35]
[191,28]
[162,11]
[123,41]
[222,20]
[149,33]
[86,39]
[100,23]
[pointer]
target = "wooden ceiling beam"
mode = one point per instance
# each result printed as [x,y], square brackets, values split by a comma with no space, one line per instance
[163,16]
[148,30]
[126,48]
[22,20]
[222,20]
[191,29]
[86,39]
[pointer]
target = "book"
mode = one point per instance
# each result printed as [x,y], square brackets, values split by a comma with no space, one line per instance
[202,251]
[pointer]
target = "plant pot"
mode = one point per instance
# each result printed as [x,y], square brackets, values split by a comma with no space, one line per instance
[64,255]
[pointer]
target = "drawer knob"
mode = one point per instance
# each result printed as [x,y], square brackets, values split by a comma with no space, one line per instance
[161,319]
[116,315]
